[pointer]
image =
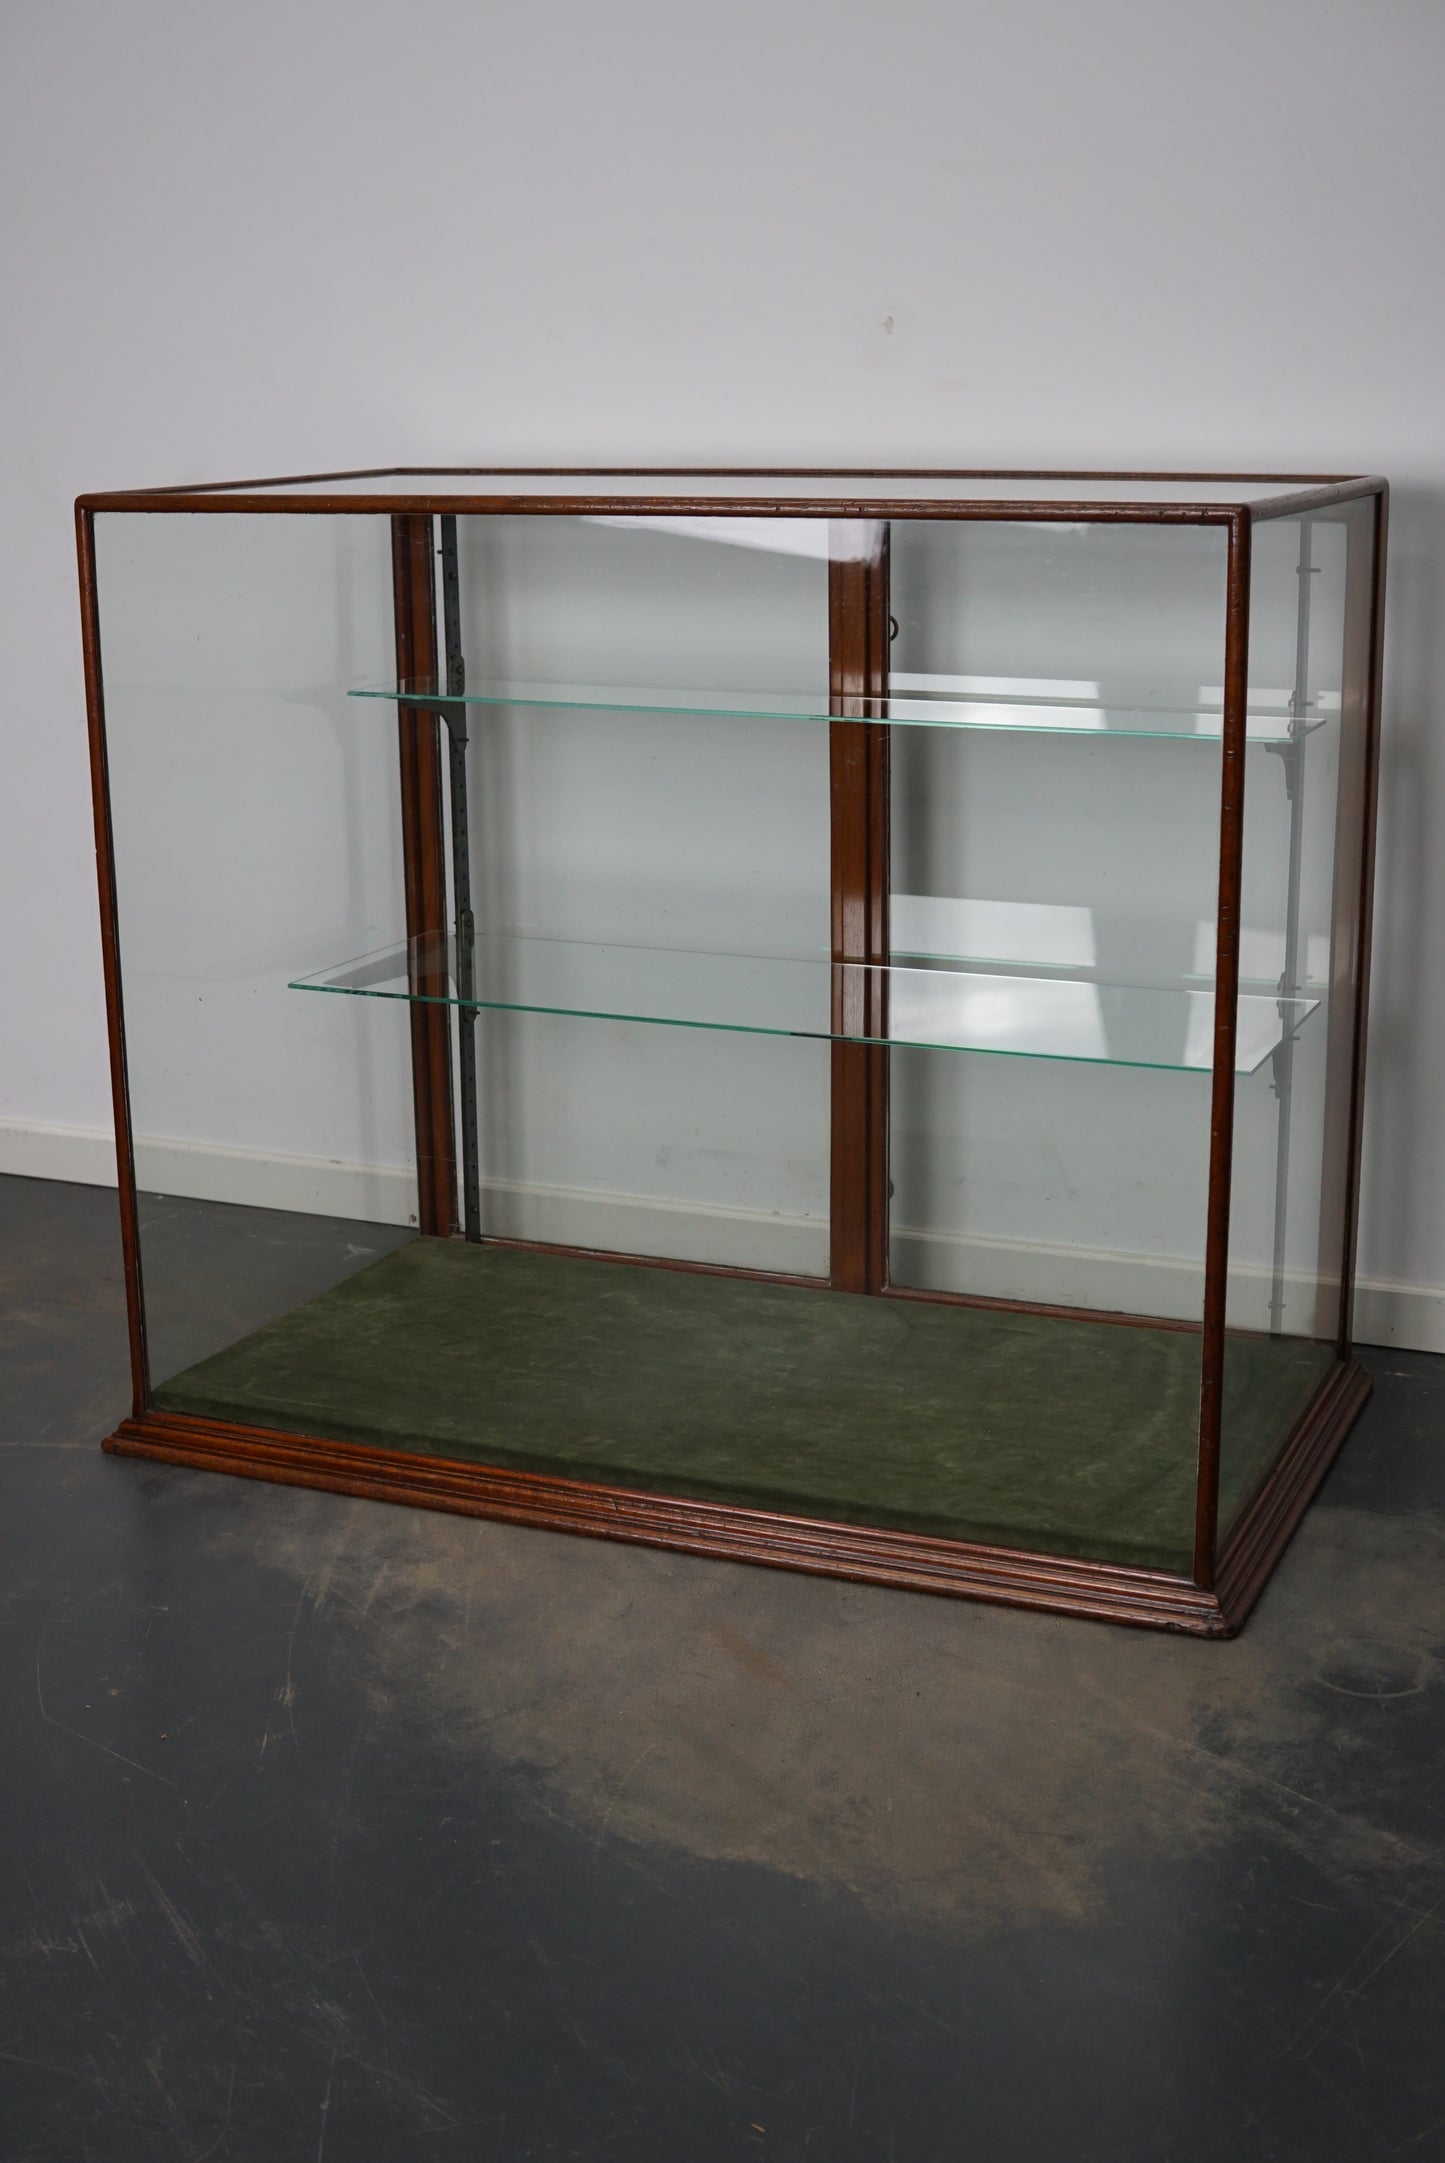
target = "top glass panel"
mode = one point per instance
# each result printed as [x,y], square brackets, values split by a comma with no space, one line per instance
[1078,488]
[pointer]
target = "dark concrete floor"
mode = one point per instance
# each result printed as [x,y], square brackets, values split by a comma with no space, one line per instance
[336,1831]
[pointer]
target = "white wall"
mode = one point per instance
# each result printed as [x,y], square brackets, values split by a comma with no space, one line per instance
[281,237]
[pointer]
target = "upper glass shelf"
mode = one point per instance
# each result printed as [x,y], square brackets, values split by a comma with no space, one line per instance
[932,1008]
[1039,706]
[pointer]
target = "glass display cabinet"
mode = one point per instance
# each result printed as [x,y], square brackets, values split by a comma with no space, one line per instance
[815,1018]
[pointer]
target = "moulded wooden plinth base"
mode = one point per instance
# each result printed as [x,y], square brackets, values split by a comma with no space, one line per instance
[910,1561]
[1263,1531]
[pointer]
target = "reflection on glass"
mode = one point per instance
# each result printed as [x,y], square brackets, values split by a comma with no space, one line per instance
[1054,851]
[1044,934]
[1309,609]
[274,1153]
[1262,955]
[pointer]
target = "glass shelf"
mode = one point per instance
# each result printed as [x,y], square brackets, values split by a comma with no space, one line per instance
[810,996]
[915,701]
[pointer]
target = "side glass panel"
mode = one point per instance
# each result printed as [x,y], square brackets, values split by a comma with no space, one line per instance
[254,823]
[1310,600]
[1081,867]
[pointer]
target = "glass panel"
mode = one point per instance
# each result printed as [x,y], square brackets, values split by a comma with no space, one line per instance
[274,1149]
[254,837]
[1035,1017]
[593,832]
[1309,629]
[1095,862]
[798,487]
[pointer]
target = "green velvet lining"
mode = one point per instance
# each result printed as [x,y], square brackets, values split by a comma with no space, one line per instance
[1074,1438]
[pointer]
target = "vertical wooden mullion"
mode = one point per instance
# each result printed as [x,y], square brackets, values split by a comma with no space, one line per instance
[424,874]
[1226,1003]
[858,786]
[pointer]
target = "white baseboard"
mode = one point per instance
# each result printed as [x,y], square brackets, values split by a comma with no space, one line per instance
[1060,1276]
[207,1172]
[1407,1316]
[386,1194]
[83,1155]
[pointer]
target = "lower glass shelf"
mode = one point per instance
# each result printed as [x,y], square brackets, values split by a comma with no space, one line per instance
[932,1008]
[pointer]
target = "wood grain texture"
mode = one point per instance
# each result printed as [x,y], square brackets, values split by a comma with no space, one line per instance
[858,765]
[425,878]
[1254,1545]
[908,1561]
[1100,1591]
[1312,491]
[1314,481]
[585,504]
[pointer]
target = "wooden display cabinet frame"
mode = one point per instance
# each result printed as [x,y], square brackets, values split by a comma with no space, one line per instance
[1227,1575]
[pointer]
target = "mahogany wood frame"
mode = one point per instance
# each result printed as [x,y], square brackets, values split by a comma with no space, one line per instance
[858,768]
[1229,1571]
[424,873]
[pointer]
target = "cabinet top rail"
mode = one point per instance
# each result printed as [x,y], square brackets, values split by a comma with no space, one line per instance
[778,492]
